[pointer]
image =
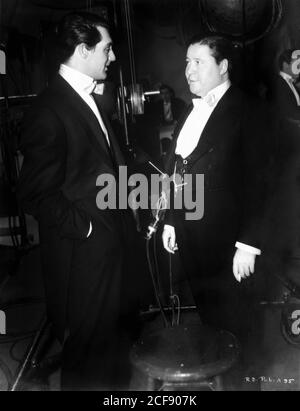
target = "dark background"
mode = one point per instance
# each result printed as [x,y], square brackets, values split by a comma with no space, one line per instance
[161,30]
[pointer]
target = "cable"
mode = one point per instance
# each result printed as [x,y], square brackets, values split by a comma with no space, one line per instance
[130,41]
[157,272]
[174,299]
[154,284]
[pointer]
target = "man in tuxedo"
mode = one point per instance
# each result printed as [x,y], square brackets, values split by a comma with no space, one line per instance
[221,137]
[284,94]
[67,143]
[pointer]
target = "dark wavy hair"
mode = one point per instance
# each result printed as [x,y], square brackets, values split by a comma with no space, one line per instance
[285,57]
[221,48]
[77,28]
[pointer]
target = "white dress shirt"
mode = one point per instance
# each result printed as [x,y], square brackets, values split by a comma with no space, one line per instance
[194,125]
[192,129]
[84,85]
[289,80]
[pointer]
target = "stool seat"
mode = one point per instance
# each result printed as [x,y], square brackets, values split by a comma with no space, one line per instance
[184,354]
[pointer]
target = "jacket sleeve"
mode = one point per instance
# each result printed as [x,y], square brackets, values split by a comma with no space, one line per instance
[44,147]
[255,158]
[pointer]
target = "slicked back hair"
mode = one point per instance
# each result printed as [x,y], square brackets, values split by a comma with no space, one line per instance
[285,57]
[75,29]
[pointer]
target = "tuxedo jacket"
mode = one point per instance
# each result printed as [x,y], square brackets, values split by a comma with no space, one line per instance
[231,154]
[65,150]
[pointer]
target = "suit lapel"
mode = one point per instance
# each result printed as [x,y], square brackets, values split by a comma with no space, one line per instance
[114,145]
[90,121]
[215,126]
[286,93]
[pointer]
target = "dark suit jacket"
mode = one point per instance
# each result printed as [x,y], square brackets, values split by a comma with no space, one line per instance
[231,155]
[65,151]
[283,100]
[178,106]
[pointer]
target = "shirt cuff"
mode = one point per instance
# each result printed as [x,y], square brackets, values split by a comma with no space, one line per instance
[248,248]
[90,230]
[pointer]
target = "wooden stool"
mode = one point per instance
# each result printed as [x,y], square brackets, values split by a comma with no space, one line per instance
[183,357]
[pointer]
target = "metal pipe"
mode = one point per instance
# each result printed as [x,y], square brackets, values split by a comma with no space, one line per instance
[124,107]
[15,97]
[151,93]
[31,352]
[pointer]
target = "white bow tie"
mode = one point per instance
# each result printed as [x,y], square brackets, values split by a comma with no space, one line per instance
[209,99]
[94,87]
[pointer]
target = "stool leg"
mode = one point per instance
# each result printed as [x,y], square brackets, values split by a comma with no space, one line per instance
[218,383]
[151,384]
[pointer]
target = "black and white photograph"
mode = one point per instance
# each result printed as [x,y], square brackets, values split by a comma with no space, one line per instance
[149,198]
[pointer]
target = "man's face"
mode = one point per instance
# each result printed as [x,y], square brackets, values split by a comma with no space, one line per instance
[100,57]
[202,71]
[289,68]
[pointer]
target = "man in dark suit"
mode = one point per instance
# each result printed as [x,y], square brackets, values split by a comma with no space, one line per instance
[222,138]
[283,206]
[284,94]
[168,108]
[166,112]
[67,143]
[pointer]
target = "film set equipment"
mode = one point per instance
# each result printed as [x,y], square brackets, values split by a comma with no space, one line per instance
[289,305]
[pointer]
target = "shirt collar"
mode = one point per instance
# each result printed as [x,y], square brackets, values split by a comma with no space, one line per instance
[286,77]
[79,81]
[213,97]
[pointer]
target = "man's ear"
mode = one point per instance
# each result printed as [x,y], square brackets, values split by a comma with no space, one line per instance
[82,50]
[224,66]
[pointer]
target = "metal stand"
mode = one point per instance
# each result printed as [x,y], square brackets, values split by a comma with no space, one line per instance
[35,366]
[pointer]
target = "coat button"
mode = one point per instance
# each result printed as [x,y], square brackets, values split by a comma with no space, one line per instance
[185,162]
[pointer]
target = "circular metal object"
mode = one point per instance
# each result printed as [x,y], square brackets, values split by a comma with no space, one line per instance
[133,97]
[241,20]
[137,99]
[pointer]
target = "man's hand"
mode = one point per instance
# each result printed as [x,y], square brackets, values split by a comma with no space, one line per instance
[243,264]
[169,239]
